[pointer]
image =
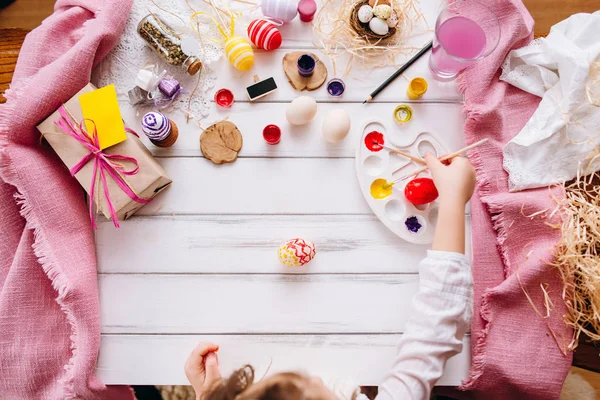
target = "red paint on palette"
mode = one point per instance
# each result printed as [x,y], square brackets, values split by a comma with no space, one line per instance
[421,191]
[374,141]
[224,98]
[272,134]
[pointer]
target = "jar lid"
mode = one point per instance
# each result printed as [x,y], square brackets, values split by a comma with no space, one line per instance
[194,67]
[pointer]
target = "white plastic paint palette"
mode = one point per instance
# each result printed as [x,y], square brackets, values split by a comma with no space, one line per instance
[416,225]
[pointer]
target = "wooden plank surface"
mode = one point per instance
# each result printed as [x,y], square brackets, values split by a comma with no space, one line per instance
[11,41]
[357,358]
[248,303]
[237,244]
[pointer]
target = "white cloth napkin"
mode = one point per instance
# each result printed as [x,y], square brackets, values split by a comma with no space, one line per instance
[563,135]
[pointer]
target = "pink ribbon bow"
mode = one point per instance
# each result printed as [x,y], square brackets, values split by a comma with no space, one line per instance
[104,163]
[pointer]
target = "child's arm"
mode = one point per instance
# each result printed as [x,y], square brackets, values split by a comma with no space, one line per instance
[442,308]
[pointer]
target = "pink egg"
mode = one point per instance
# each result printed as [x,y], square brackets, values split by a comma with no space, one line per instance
[264,34]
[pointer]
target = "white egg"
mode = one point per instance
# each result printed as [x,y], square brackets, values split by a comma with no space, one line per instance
[336,125]
[379,27]
[301,111]
[365,13]
[392,21]
[382,11]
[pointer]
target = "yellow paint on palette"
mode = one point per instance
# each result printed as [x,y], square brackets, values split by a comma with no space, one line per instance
[102,107]
[380,189]
[239,53]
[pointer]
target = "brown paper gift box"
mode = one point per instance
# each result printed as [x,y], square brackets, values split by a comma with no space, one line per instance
[150,180]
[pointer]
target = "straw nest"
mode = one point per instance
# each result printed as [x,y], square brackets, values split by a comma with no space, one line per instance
[577,256]
[339,33]
[363,29]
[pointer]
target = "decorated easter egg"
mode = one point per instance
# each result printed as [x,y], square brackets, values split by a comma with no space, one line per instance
[239,53]
[301,111]
[373,3]
[336,125]
[296,252]
[283,10]
[365,14]
[264,34]
[421,191]
[155,125]
[392,21]
[382,11]
[378,27]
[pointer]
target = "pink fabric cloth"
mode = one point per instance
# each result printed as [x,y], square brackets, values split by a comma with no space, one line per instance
[514,353]
[49,312]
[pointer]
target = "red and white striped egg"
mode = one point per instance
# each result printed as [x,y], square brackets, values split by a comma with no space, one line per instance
[264,34]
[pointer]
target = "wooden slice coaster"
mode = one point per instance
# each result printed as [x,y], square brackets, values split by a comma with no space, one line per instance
[298,82]
[221,142]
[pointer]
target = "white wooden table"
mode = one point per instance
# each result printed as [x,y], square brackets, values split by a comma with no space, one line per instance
[199,262]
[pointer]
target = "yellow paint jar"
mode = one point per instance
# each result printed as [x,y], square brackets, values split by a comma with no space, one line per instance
[416,88]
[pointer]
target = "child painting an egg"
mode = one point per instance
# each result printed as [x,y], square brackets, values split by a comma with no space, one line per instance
[439,317]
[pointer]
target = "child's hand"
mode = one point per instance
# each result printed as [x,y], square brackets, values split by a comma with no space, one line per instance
[202,367]
[455,182]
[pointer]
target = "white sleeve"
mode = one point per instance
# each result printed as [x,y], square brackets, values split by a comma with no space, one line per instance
[440,317]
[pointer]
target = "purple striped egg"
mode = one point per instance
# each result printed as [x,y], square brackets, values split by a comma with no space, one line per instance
[156,126]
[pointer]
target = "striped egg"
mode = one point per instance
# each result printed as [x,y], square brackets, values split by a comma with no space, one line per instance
[264,34]
[156,126]
[283,10]
[239,53]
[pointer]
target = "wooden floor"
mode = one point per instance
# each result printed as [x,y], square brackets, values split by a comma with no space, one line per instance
[27,14]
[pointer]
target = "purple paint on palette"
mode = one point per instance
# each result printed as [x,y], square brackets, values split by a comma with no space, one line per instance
[156,126]
[413,224]
[336,87]
[306,65]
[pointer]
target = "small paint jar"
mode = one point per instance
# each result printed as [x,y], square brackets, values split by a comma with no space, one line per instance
[272,134]
[224,98]
[416,88]
[336,87]
[306,65]
[402,114]
[307,10]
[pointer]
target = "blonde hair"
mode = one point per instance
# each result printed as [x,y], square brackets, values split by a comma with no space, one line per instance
[282,386]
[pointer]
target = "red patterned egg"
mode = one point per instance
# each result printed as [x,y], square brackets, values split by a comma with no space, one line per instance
[296,252]
[264,34]
[421,191]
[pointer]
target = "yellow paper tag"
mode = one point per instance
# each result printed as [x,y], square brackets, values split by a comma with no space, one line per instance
[102,107]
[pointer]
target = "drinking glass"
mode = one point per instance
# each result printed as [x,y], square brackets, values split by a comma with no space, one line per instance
[465,31]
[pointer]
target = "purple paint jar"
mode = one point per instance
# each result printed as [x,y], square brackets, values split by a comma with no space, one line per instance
[306,65]
[336,87]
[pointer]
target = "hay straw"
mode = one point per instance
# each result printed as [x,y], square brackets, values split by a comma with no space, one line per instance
[577,256]
[334,34]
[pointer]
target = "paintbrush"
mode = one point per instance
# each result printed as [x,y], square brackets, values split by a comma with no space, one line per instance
[442,159]
[402,153]
[399,72]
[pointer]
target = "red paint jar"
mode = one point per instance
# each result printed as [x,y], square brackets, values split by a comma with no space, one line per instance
[224,98]
[272,134]
[307,10]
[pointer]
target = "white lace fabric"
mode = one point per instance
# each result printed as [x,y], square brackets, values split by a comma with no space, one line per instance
[562,137]
[121,65]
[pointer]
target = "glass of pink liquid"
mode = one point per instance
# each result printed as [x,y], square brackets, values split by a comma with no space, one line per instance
[465,31]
